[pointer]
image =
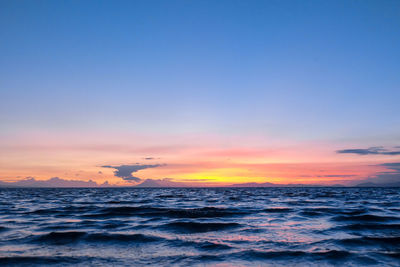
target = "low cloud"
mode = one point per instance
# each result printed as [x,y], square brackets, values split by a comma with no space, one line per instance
[125,171]
[52,182]
[389,177]
[370,151]
[197,180]
[329,176]
[337,175]
[392,166]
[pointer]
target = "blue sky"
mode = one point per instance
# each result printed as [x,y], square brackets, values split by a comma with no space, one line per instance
[325,67]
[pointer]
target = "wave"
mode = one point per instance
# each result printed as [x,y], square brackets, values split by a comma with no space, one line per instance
[63,238]
[261,255]
[60,238]
[197,227]
[394,255]
[387,242]
[42,260]
[63,211]
[146,211]
[365,218]
[369,227]
[205,245]
[137,238]
[331,256]
[277,210]
[194,227]
[333,211]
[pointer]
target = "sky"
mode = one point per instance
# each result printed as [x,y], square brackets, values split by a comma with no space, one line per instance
[201,92]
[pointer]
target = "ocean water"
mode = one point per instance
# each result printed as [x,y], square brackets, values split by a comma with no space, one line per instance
[200,227]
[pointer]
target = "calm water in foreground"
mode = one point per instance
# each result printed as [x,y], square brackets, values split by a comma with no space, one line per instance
[216,227]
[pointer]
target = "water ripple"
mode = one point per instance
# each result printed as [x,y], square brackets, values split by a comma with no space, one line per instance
[197,227]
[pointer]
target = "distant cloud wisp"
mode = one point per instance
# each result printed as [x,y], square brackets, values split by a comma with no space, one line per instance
[389,177]
[125,171]
[369,151]
[392,166]
[52,182]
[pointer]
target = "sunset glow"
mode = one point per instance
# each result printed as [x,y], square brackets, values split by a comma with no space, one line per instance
[193,159]
[254,94]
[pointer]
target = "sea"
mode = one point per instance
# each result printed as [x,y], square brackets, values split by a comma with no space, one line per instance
[288,226]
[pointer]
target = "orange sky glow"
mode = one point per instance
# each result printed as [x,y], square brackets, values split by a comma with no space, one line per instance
[195,159]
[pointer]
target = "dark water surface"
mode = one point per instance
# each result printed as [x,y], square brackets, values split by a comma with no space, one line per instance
[216,227]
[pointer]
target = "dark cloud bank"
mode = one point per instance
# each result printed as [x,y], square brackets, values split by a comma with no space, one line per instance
[125,171]
[370,151]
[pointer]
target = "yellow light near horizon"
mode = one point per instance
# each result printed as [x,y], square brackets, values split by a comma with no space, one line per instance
[230,175]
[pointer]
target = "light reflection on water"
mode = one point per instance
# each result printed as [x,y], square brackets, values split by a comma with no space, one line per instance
[221,227]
